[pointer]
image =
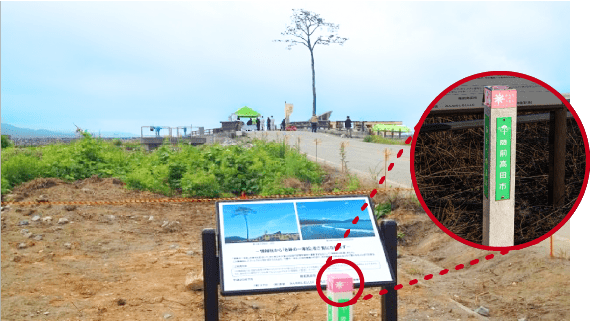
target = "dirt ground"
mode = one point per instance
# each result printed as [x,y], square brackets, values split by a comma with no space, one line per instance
[120,265]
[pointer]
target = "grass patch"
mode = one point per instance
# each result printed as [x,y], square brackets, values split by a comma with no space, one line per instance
[206,171]
[381,140]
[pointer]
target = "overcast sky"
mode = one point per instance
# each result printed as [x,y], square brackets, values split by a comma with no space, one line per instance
[117,66]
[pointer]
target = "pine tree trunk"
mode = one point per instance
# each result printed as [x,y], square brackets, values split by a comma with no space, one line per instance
[313,80]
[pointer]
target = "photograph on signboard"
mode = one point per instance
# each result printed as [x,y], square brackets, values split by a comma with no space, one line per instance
[262,249]
[260,223]
[327,220]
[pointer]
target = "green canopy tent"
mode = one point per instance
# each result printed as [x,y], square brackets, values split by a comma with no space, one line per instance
[247,112]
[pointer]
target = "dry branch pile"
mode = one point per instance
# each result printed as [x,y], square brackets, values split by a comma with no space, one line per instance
[449,166]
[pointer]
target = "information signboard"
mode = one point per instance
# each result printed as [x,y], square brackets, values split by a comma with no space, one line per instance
[470,94]
[280,245]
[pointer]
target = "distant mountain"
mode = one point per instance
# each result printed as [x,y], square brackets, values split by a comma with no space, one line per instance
[320,221]
[18,132]
[234,239]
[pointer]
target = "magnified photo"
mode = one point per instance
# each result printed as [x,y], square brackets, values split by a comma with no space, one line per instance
[500,161]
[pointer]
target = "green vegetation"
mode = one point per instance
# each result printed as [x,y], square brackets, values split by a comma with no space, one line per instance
[206,171]
[381,140]
[6,142]
[382,210]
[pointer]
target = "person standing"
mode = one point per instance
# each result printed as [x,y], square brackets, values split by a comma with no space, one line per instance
[268,123]
[272,123]
[283,125]
[258,124]
[348,126]
[314,123]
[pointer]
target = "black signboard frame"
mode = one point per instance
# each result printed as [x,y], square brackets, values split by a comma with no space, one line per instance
[213,265]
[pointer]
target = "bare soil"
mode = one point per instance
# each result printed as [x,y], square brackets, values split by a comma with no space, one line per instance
[121,266]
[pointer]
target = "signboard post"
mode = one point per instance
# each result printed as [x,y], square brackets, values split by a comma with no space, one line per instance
[268,246]
[499,165]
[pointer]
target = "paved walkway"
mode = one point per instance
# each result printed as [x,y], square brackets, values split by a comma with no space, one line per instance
[364,159]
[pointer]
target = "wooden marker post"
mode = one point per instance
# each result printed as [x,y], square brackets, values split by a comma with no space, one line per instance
[386,153]
[499,165]
[317,141]
[339,291]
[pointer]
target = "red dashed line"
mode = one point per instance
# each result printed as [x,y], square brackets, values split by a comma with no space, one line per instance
[373,193]
[398,287]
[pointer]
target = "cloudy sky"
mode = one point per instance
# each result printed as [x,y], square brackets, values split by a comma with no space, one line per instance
[117,66]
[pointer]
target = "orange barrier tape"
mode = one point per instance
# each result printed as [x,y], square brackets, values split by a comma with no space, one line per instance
[176,200]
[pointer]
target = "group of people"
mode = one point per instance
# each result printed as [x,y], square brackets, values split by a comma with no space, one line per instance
[270,124]
[259,123]
[347,125]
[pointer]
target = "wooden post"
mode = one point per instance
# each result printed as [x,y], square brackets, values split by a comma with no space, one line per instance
[339,288]
[557,141]
[386,153]
[316,141]
[499,165]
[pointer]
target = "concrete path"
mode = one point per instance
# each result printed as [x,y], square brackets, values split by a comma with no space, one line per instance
[364,159]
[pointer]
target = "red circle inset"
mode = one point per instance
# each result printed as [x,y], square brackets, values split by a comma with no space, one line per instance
[319,286]
[421,122]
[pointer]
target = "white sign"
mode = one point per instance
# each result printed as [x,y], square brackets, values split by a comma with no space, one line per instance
[471,93]
[280,244]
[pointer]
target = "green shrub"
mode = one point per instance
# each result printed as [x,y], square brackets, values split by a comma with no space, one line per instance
[200,184]
[381,140]
[168,170]
[6,142]
[382,210]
